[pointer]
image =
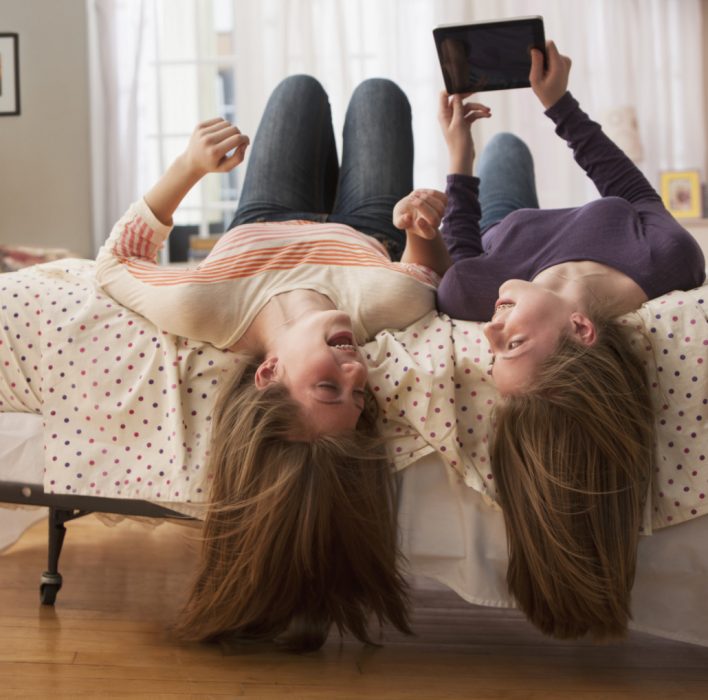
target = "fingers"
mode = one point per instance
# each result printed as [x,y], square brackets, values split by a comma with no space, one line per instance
[433,199]
[425,229]
[400,213]
[240,144]
[454,110]
[218,146]
[420,212]
[403,221]
[552,53]
[427,208]
[220,149]
[536,73]
[220,134]
[474,111]
[477,106]
[402,216]
[214,132]
[444,109]
[550,84]
[457,110]
[210,123]
[229,142]
[556,60]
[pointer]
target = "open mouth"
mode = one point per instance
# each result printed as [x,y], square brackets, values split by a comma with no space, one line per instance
[502,305]
[343,340]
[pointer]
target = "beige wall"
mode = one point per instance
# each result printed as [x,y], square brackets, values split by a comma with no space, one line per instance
[45,177]
[705,88]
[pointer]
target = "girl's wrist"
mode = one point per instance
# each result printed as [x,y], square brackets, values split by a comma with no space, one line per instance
[461,158]
[461,166]
[187,169]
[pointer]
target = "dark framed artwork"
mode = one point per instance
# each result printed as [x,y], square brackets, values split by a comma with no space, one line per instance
[9,74]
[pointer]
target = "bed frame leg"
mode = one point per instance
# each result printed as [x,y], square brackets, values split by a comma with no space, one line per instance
[50,581]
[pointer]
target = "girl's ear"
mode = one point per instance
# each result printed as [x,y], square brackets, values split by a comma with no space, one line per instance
[266,373]
[583,329]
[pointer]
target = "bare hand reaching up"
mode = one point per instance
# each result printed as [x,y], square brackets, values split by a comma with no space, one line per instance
[209,145]
[207,152]
[455,117]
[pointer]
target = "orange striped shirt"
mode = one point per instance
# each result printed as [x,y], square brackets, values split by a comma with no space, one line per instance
[217,300]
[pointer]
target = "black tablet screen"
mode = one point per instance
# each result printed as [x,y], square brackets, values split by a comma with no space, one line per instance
[488,56]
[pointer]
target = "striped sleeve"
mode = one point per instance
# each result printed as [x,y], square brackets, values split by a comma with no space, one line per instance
[127,269]
[136,235]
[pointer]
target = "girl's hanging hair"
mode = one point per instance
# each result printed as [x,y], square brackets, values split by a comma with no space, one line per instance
[572,459]
[300,535]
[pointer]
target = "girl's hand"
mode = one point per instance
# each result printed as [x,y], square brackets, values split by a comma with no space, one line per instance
[420,213]
[206,153]
[210,144]
[456,117]
[552,84]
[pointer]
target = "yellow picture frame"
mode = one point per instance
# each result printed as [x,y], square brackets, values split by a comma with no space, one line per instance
[681,193]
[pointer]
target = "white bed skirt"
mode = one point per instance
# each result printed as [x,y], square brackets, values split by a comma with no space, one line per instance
[20,460]
[450,536]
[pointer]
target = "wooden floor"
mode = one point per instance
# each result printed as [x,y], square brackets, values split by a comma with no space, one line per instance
[106,637]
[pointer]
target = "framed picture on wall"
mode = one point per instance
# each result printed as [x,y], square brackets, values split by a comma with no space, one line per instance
[681,192]
[9,75]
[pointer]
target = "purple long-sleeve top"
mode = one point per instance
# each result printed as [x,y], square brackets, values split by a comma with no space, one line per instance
[629,229]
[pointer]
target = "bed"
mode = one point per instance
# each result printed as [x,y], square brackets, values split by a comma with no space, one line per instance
[451,532]
[449,535]
[22,492]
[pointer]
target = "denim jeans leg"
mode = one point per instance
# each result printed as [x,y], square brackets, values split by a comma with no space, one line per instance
[506,179]
[293,167]
[377,161]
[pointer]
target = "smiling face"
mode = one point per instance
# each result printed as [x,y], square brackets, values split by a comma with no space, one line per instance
[527,325]
[317,359]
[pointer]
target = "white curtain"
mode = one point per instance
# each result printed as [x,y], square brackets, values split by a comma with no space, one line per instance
[636,57]
[641,55]
[119,75]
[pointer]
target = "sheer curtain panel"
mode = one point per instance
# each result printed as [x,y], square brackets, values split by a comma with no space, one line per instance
[637,69]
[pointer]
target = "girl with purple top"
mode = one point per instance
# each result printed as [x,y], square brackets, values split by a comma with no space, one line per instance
[574,433]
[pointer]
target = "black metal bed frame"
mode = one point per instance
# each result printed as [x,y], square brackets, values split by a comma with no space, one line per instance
[64,508]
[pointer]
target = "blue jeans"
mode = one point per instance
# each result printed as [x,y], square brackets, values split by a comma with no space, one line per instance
[294,173]
[506,179]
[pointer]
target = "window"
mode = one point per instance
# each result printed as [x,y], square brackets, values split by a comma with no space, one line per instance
[191,60]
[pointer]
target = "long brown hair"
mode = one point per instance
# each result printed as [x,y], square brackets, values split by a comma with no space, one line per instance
[300,535]
[572,458]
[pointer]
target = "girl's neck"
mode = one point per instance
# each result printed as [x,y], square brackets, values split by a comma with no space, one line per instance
[280,312]
[593,287]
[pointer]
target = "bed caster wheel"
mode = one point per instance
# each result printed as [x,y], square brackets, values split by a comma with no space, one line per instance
[49,587]
[48,593]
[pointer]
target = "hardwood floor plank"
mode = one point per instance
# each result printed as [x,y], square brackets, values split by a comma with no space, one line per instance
[108,635]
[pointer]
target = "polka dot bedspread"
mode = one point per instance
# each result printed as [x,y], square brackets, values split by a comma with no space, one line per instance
[435,392]
[127,408]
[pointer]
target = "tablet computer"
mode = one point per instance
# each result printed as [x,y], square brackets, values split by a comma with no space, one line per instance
[488,55]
